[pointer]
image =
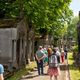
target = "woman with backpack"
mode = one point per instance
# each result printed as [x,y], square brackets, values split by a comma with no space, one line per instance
[53,65]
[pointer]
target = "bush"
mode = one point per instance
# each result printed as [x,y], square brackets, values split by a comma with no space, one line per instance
[75,51]
[75,48]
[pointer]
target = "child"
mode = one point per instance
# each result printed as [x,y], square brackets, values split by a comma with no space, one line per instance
[53,71]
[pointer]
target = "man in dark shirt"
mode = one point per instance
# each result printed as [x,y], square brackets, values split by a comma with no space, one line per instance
[65,50]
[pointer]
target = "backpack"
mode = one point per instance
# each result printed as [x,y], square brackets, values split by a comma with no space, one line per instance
[53,61]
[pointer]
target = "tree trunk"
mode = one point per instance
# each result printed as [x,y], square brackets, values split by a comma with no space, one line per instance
[32,53]
[27,48]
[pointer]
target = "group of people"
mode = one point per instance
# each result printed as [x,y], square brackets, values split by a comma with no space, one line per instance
[46,57]
[50,57]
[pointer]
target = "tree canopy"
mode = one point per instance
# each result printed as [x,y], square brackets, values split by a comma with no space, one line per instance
[72,28]
[47,16]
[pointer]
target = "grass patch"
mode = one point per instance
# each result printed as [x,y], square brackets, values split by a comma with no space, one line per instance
[24,71]
[74,71]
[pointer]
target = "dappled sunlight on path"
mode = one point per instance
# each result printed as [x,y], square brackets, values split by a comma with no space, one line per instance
[34,75]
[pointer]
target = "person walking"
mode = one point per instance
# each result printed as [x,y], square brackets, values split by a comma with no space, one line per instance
[39,59]
[62,55]
[66,51]
[53,66]
[58,54]
[1,72]
[49,50]
[46,57]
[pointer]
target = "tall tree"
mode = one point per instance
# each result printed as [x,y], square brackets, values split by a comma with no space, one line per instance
[72,28]
[46,16]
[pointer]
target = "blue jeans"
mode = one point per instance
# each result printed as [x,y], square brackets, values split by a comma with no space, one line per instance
[40,67]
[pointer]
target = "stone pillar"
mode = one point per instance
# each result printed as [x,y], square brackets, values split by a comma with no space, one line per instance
[20,57]
[24,50]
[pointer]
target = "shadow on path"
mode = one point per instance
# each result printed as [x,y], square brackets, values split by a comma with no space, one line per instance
[63,67]
[28,77]
[34,76]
